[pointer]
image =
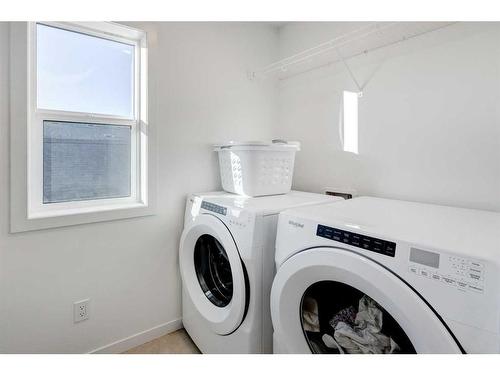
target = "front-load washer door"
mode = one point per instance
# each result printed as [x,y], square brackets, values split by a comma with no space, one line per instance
[331,300]
[212,273]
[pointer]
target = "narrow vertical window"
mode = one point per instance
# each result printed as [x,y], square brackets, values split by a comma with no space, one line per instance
[350,121]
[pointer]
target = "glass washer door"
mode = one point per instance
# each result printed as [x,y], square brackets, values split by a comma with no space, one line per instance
[308,267]
[213,270]
[339,319]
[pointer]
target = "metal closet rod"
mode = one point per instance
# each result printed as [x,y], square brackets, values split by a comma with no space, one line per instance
[335,44]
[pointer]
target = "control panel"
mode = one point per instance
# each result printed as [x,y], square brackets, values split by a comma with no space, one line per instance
[214,208]
[453,271]
[376,245]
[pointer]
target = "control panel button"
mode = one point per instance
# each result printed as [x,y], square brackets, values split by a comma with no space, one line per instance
[478,271]
[424,272]
[346,237]
[390,247]
[474,276]
[476,288]
[436,276]
[475,264]
[366,243]
[356,240]
[378,246]
[448,280]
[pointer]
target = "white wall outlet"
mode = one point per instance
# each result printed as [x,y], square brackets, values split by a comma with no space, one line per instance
[81,310]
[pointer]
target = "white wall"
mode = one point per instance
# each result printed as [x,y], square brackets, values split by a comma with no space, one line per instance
[429,131]
[199,95]
[429,125]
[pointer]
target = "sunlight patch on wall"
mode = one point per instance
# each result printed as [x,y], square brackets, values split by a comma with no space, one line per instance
[350,121]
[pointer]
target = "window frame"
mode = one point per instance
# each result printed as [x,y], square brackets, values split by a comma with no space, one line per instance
[38,215]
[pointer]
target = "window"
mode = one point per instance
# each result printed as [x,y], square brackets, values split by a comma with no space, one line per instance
[349,124]
[84,161]
[86,116]
[77,72]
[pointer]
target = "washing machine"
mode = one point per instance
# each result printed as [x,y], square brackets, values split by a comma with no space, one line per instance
[226,260]
[410,277]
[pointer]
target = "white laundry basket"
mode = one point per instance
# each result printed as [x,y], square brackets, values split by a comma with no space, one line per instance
[257,168]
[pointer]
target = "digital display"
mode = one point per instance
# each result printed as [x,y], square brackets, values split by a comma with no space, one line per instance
[376,245]
[214,208]
[424,257]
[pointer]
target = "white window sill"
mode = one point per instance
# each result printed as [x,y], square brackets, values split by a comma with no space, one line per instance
[84,210]
[68,217]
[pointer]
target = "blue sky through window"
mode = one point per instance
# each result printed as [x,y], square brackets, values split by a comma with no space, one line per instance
[82,73]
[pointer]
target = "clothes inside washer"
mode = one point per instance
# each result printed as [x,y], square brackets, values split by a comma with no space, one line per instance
[326,304]
[347,315]
[330,343]
[365,336]
[310,318]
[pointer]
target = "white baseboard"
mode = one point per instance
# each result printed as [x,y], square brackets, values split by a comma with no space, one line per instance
[139,338]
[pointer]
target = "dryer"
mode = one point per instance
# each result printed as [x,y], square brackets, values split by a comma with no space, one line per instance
[226,259]
[432,272]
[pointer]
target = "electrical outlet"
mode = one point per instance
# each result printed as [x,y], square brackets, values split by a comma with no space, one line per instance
[81,310]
